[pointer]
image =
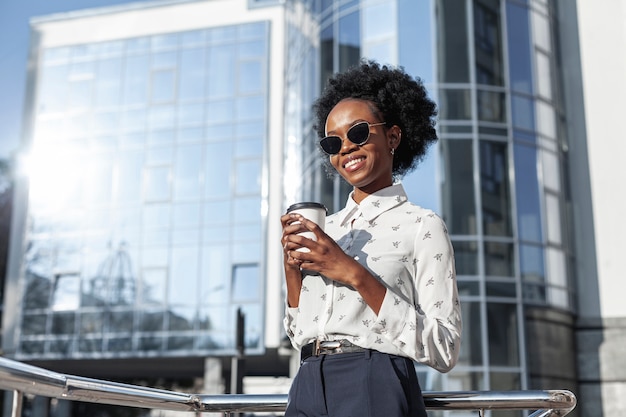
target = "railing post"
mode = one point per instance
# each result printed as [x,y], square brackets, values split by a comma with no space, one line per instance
[16,405]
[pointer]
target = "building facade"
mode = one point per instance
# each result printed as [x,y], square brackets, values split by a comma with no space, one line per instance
[164,140]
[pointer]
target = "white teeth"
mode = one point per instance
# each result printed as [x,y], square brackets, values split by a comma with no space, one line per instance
[352,162]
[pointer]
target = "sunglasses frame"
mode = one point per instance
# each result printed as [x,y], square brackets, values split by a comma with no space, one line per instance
[332,138]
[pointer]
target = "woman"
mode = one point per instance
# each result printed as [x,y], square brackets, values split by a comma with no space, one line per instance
[377,289]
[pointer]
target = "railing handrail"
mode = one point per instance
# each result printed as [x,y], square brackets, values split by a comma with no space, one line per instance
[23,378]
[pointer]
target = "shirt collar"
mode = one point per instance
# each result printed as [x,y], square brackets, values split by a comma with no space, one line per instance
[374,204]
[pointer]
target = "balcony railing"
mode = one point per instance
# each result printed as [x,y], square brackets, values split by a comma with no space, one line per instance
[27,379]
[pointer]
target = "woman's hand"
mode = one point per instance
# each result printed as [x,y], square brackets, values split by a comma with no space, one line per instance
[325,257]
[322,255]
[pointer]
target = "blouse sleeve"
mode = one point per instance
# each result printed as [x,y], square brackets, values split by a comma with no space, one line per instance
[430,330]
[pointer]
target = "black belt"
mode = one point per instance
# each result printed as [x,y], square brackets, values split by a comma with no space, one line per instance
[328,347]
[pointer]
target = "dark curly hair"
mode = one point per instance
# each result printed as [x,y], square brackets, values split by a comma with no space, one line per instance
[400,99]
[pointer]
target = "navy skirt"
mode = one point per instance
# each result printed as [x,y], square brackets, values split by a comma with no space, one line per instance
[360,384]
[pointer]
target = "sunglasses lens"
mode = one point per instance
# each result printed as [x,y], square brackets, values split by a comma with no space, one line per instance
[331,144]
[359,133]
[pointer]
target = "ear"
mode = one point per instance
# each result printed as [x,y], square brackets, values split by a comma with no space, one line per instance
[394,135]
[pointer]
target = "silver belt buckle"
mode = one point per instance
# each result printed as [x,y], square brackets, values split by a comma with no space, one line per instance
[327,345]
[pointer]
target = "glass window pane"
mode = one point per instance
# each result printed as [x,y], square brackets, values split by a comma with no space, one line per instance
[491,107]
[488,42]
[541,31]
[109,82]
[527,192]
[251,77]
[250,107]
[523,112]
[188,172]
[551,170]
[128,184]
[136,79]
[156,185]
[192,74]
[215,275]
[153,285]
[546,120]
[557,271]
[220,111]
[553,219]
[466,257]
[518,32]
[501,289]
[532,263]
[495,188]
[161,116]
[499,259]
[455,104]
[453,64]
[63,323]
[217,169]
[503,334]
[544,75]
[349,37]
[91,323]
[120,322]
[182,318]
[221,77]
[458,186]
[245,283]
[248,176]
[183,279]
[471,353]
[162,88]
[217,212]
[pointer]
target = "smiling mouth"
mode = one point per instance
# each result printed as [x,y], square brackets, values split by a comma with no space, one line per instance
[353,162]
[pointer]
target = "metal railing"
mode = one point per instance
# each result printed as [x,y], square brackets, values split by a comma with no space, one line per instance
[27,379]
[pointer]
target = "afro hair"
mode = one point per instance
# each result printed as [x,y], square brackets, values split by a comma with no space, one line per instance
[400,100]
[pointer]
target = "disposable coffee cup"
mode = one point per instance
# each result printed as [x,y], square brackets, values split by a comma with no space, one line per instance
[312,211]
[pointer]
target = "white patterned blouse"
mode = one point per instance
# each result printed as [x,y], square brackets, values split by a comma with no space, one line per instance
[408,249]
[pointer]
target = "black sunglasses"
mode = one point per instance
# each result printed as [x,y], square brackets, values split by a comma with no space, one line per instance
[357,134]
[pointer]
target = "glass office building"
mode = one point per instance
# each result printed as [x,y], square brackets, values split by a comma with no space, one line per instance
[163,154]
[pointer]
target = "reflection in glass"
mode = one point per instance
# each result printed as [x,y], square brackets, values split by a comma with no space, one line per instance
[527,193]
[466,257]
[91,323]
[523,112]
[458,186]
[183,276]
[181,319]
[217,169]
[455,104]
[122,202]
[488,42]
[471,348]
[153,286]
[245,285]
[121,321]
[452,39]
[162,85]
[518,33]
[503,334]
[532,265]
[187,178]
[495,188]
[156,183]
[501,289]
[349,38]
[499,259]
[66,295]
[491,106]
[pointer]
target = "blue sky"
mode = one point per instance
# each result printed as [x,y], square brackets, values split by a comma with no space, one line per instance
[14,41]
